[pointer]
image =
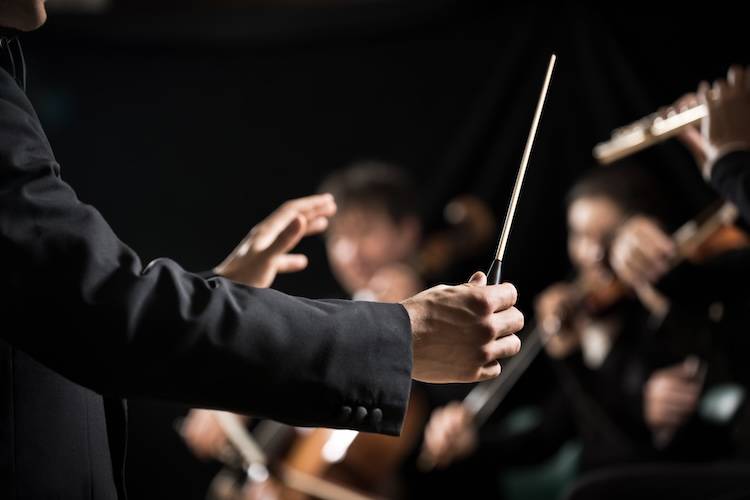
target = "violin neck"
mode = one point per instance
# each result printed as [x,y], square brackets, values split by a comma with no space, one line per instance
[694,233]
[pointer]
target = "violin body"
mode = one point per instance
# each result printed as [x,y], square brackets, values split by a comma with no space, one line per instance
[370,463]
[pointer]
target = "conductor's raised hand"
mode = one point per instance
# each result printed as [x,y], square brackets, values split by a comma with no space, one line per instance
[459,332]
[264,252]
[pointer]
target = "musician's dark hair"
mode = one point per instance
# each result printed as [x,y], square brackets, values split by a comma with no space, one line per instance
[373,184]
[627,185]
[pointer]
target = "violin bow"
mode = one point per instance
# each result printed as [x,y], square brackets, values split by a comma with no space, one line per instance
[494,275]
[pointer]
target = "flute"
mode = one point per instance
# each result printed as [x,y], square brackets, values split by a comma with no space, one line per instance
[644,133]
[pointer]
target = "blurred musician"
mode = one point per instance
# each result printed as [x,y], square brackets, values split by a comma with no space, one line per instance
[722,144]
[625,392]
[374,244]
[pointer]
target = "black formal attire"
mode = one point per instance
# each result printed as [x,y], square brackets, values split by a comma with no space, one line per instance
[85,325]
[730,176]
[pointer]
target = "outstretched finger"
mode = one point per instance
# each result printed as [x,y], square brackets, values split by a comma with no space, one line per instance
[291,263]
[289,237]
[267,231]
[316,225]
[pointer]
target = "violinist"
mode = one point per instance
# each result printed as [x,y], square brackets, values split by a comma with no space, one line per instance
[611,365]
[87,324]
[373,240]
[369,242]
[375,244]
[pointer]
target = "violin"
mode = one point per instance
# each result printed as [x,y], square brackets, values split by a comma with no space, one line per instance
[336,464]
[369,460]
[711,233]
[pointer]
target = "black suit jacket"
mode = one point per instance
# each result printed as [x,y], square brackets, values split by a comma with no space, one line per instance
[85,324]
[731,178]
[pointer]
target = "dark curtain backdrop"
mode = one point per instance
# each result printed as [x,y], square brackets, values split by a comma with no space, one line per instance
[186,127]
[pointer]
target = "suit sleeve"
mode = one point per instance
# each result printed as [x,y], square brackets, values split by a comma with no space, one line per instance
[79,300]
[730,176]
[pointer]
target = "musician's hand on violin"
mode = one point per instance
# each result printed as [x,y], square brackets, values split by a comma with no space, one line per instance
[641,251]
[270,489]
[726,128]
[459,332]
[671,395]
[450,435]
[641,255]
[265,250]
[203,434]
[552,306]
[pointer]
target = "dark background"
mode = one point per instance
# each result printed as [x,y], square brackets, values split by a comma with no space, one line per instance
[187,122]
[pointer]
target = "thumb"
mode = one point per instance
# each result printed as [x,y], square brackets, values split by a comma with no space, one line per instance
[289,237]
[478,279]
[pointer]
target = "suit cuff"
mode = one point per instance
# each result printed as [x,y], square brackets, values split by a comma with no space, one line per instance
[722,154]
[379,395]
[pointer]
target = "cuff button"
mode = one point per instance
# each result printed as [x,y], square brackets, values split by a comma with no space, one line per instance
[360,414]
[346,413]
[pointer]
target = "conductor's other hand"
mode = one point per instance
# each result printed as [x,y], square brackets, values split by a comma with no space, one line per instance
[459,332]
[265,250]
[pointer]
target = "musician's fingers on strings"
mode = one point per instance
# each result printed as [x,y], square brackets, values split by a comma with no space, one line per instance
[630,265]
[662,245]
[639,264]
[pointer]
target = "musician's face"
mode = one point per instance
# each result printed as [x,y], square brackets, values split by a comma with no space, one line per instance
[362,240]
[23,15]
[591,223]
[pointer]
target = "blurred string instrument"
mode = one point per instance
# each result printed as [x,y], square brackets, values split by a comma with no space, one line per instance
[253,469]
[644,133]
[711,233]
[280,462]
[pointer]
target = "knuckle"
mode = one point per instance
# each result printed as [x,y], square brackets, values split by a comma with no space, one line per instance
[486,354]
[512,293]
[481,303]
[486,328]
